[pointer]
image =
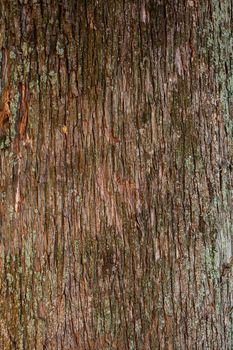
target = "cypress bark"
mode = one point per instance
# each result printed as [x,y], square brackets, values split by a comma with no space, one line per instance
[116,174]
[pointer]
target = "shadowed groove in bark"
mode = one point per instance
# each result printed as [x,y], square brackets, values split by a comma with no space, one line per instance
[116,174]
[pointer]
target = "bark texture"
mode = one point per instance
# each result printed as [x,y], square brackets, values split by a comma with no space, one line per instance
[116,174]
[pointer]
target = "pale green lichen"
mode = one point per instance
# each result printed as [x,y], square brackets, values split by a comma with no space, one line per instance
[53,77]
[59,49]
[12,55]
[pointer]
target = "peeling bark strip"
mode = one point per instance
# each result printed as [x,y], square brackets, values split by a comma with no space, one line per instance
[4,107]
[116,174]
[23,111]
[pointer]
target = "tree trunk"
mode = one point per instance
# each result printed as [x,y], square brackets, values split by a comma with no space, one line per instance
[116,174]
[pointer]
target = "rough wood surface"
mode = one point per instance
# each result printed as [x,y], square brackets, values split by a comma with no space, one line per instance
[116,174]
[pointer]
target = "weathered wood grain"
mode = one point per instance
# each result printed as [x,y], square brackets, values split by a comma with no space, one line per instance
[116,174]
